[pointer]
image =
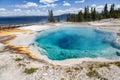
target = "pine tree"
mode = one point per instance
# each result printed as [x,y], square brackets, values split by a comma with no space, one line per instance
[58,19]
[112,11]
[68,17]
[93,14]
[87,16]
[117,13]
[85,13]
[105,12]
[80,16]
[73,18]
[51,17]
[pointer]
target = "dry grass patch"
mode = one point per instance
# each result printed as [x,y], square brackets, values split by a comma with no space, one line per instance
[18,59]
[30,70]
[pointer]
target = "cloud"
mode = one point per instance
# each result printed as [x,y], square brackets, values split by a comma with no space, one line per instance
[24,13]
[93,5]
[100,8]
[27,5]
[66,3]
[2,9]
[80,1]
[32,4]
[42,10]
[117,6]
[47,5]
[47,1]
[66,11]
[17,10]
[51,5]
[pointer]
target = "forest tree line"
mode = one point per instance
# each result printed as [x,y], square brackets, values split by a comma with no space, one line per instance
[93,14]
[89,14]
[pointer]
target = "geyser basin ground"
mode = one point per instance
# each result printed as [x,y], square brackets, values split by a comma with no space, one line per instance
[77,42]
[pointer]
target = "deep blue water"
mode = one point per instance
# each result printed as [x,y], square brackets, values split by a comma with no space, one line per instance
[27,19]
[77,42]
[22,20]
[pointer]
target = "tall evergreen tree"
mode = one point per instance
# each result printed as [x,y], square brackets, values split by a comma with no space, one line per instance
[105,12]
[93,14]
[117,13]
[51,17]
[73,17]
[87,16]
[80,16]
[58,19]
[112,11]
[85,13]
[68,17]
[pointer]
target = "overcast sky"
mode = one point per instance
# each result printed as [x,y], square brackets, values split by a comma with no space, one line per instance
[40,7]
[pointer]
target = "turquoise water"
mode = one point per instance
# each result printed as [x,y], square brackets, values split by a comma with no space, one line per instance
[77,42]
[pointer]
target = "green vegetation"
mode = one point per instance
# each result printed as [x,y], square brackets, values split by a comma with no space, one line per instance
[21,65]
[93,70]
[51,17]
[93,74]
[117,64]
[104,65]
[30,70]
[96,66]
[18,59]
[78,68]
[93,15]
[89,14]
[58,19]
[80,17]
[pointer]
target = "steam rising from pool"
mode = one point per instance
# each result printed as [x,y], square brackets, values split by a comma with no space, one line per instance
[77,42]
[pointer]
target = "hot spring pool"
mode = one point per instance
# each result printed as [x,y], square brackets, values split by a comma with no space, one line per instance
[77,42]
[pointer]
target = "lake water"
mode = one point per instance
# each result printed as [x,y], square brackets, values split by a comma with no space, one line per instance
[27,19]
[77,42]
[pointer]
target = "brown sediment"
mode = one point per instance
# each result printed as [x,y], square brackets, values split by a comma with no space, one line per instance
[6,32]
[22,50]
[8,35]
[26,51]
[7,39]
